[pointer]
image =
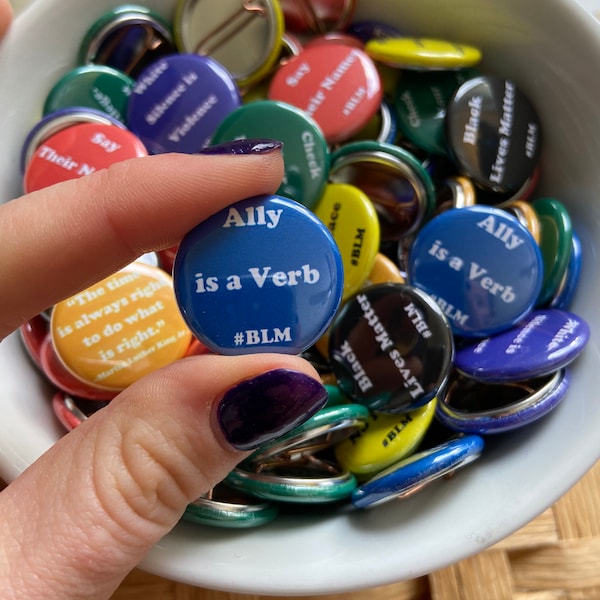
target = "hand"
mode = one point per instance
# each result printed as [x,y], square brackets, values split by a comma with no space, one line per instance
[80,518]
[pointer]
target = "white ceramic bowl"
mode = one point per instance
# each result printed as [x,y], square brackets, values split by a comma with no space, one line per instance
[552,49]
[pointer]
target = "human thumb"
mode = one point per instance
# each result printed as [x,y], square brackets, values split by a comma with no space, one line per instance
[85,514]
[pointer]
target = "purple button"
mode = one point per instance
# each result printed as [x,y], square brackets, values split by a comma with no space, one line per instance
[179,101]
[545,341]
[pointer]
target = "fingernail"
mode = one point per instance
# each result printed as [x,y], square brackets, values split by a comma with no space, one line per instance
[256,146]
[265,407]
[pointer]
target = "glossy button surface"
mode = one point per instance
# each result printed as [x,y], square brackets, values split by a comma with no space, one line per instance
[420,100]
[391,348]
[337,85]
[481,265]
[244,37]
[77,151]
[422,53]
[263,275]
[411,474]
[556,243]
[351,218]
[305,152]
[384,440]
[543,342]
[93,86]
[121,328]
[493,133]
[178,102]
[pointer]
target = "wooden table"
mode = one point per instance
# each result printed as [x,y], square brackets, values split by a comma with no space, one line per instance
[555,556]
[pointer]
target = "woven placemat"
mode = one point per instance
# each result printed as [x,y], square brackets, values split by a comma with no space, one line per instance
[556,556]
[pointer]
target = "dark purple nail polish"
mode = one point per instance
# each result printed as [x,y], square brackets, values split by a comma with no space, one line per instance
[255,146]
[265,407]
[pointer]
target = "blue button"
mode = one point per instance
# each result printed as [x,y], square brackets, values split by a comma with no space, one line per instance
[413,473]
[178,102]
[263,275]
[481,265]
[546,340]
[568,286]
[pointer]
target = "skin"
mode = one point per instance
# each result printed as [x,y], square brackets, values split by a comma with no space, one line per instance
[84,514]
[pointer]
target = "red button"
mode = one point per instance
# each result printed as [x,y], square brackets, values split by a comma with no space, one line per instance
[79,150]
[339,86]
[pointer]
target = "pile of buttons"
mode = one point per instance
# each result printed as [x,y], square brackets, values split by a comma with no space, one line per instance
[406,253]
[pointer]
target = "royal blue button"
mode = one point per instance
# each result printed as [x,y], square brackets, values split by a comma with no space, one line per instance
[263,275]
[413,473]
[546,340]
[178,102]
[481,265]
[568,286]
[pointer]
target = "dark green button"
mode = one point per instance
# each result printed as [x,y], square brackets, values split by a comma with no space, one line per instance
[92,86]
[556,242]
[305,152]
[420,101]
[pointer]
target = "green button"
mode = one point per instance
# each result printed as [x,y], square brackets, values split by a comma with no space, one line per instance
[305,152]
[92,86]
[556,239]
[420,100]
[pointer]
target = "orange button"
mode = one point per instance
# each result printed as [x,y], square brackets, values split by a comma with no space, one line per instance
[121,328]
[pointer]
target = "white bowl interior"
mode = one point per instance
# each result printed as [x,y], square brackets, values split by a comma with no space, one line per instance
[552,49]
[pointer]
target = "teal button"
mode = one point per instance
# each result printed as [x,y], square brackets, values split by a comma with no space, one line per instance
[305,152]
[556,243]
[93,86]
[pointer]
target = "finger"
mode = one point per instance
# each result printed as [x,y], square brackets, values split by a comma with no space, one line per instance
[61,239]
[6,15]
[85,514]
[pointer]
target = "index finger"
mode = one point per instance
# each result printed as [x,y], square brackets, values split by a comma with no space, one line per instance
[59,240]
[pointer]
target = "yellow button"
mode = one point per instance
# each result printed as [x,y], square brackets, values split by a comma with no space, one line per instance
[384,440]
[121,328]
[422,53]
[352,220]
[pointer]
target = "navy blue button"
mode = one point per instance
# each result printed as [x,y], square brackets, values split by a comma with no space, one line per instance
[263,275]
[482,266]
[543,342]
[471,406]
[178,102]
[413,473]
[568,287]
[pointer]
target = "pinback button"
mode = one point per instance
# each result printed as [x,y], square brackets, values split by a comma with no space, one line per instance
[384,440]
[527,216]
[373,30]
[391,348]
[351,218]
[57,121]
[178,102]
[337,85]
[121,328]
[422,53]
[33,333]
[127,38]
[420,102]
[394,180]
[245,37]
[263,275]
[317,16]
[77,151]
[64,380]
[481,265]
[556,242]
[72,411]
[382,127]
[546,340]
[470,406]
[93,86]
[454,192]
[384,270]
[493,133]
[305,152]
[568,286]
[412,474]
